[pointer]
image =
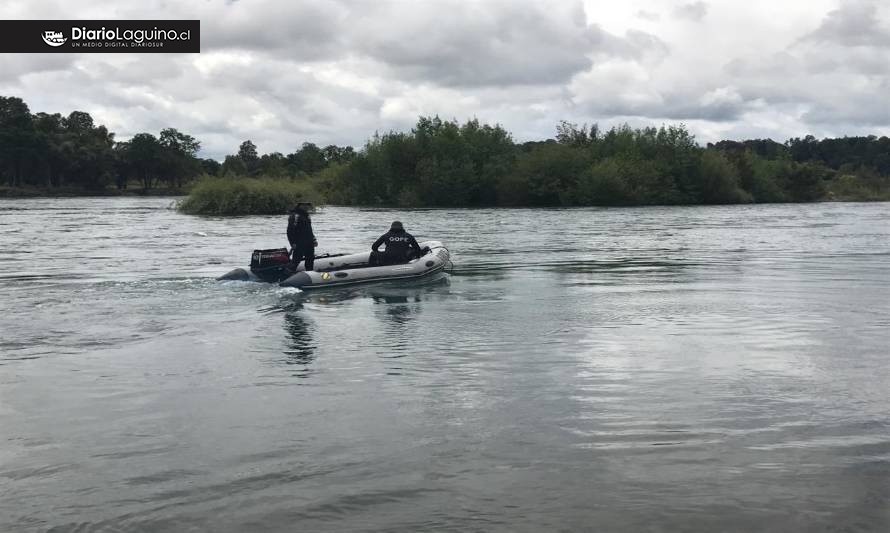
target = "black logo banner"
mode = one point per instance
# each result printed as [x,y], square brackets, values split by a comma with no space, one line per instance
[100,36]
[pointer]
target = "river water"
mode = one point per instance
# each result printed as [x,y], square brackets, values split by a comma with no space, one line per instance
[655,369]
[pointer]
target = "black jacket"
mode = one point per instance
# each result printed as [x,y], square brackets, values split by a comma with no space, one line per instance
[398,243]
[299,231]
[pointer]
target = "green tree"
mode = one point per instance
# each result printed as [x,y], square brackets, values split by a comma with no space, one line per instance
[211,167]
[18,139]
[145,156]
[492,154]
[274,164]
[308,159]
[623,179]
[551,173]
[233,165]
[50,137]
[720,180]
[88,150]
[178,156]
[805,182]
[247,153]
[337,154]
[570,134]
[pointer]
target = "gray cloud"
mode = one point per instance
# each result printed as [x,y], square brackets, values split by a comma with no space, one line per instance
[465,44]
[695,11]
[856,23]
[14,65]
[639,44]
[284,72]
[838,72]
[722,104]
[296,30]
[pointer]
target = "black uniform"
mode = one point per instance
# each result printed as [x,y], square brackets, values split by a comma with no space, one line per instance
[401,246]
[301,238]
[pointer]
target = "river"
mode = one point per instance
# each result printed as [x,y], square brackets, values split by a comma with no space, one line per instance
[642,369]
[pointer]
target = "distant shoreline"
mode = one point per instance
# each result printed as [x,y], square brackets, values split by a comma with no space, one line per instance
[9,193]
[35,192]
[438,163]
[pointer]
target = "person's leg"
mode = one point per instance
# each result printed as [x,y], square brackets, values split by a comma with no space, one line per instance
[310,259]
[298,256]
[395,259]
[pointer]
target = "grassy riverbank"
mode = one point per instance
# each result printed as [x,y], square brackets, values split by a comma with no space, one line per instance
[236,196]
[271,196]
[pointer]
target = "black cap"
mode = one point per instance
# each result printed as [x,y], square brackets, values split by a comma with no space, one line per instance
[396,225]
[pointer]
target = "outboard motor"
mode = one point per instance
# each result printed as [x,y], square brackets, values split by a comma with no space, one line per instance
[270,265]
[274,265]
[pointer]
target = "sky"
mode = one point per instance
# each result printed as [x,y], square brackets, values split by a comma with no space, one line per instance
[285,72]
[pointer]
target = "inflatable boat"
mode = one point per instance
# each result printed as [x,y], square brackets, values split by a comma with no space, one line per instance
[339,269]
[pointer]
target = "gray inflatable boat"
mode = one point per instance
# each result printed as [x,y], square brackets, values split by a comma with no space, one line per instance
[340,270]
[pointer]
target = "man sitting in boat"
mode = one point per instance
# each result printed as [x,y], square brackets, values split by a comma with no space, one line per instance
[401,246]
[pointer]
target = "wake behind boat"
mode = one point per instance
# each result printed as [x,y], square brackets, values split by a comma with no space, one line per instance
[339,269]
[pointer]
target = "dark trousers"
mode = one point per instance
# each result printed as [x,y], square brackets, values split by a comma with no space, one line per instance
[382,258]
[301,253]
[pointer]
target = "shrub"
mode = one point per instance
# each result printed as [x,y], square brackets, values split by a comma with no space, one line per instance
[247,196]
[720,180]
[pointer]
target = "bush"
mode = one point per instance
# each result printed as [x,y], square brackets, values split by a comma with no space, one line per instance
[334,184]
[512,190]
[720,180]
[247,196]
[624,180]
[763,180]
[856,188]
[605,184]
[551,173]
[805,182]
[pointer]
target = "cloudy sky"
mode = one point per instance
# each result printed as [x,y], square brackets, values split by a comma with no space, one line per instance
[282,72]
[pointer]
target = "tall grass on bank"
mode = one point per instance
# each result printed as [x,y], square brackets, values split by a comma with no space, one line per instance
[233,196]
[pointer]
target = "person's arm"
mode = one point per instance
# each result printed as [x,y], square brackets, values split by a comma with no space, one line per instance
[413,244]
[312,234]
[378,242]
[291,230]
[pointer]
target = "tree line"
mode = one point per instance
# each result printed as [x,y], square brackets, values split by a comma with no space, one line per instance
[446,163]
[54,151]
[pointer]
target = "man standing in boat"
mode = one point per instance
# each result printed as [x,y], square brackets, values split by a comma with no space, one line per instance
[301,238]
[401,246]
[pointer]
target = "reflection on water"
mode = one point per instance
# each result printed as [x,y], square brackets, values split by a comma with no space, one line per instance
[394,304]
[301,345]
[398,312]
[676,369]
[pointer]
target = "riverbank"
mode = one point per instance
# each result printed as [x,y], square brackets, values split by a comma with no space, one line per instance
[268,195]
[75,192]
[223,203]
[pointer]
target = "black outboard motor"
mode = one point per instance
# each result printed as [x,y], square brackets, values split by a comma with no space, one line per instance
[270,265]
